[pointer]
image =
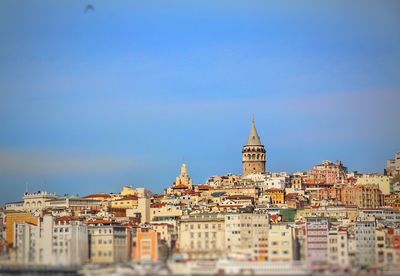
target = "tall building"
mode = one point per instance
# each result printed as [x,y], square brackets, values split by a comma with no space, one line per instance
[61,241]
[317,240]
[246,234]
[253,153]
[365,242]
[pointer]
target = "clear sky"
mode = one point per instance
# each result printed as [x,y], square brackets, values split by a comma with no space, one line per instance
[124,94]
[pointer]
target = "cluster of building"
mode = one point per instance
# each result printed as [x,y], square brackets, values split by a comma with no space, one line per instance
[325,217]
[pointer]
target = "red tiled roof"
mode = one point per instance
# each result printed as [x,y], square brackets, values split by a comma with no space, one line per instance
[68,218]
[179,186]
[157,205]
[203,187]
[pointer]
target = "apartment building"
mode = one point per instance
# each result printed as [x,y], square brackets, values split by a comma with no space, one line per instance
[281,243]
[246,235]
[202,236]
[107,242]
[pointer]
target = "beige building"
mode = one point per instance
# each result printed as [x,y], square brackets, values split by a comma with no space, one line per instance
[253,153]
[338,253]
[335,212]
[246,235]
[107,242]
[383,181]
[202,236]
[37,201]
[281,243]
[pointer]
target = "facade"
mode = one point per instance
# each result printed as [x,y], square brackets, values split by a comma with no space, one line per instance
[166,233]
[317,240]
[383,181]
[338,252]
[53,241]
[202,236]
[146,245]
[107,242]
[281,243]
[13,218]
[363,196]
[329,172]
[253,153]
[365,242]
[37,201]
[246,235]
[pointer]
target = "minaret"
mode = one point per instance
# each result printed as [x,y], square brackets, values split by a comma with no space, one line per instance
[253,153]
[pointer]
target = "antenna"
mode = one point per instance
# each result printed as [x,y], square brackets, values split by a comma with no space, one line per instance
[26,187]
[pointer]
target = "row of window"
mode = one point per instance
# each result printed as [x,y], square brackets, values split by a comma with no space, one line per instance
[61,229]
[206,234]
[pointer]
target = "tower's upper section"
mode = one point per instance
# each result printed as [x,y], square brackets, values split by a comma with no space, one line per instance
[254,139]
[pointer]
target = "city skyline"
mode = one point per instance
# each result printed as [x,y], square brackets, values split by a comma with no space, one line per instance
[89,104]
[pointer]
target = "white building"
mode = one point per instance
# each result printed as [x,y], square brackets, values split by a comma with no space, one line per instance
[364,232]
[59,241]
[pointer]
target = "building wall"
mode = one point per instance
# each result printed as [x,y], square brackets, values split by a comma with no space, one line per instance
[246,234]
[52,242]
[202,236]
[338,253]
[13,218]
[317,240]
[383,181]
[146,245]
[365,242]
[107,244]
[281,246]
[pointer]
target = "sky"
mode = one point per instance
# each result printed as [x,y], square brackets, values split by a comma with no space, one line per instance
[124,94]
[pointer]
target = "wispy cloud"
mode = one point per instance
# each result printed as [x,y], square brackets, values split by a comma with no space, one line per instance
[17,161]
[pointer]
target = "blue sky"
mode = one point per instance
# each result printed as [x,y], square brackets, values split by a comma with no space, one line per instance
[125,94]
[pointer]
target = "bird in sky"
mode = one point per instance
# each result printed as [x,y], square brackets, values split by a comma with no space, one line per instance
[89,8]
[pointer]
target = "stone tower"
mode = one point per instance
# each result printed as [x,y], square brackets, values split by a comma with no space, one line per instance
[253,153]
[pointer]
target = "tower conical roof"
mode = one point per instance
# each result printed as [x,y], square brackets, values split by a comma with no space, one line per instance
[254,139]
